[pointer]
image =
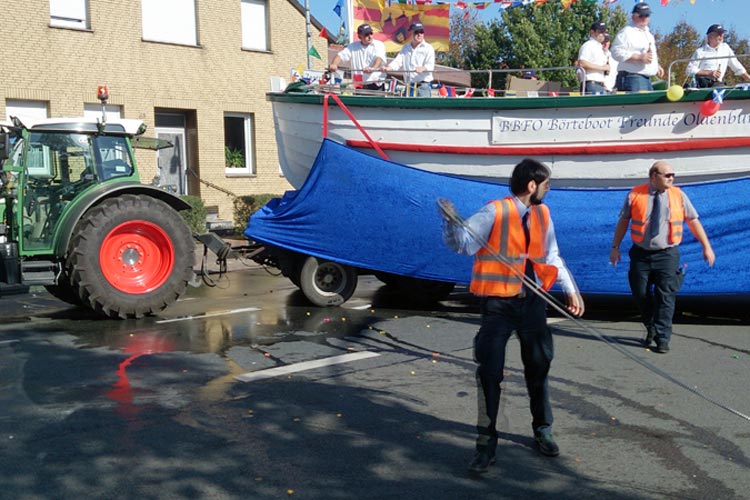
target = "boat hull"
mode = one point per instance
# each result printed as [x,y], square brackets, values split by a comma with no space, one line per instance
[588,141]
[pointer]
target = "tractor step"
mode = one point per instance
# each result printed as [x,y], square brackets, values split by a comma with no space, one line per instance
[39,272]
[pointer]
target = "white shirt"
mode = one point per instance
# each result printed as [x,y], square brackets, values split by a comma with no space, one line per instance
[593,52]
[630,41]
[411,58]
[722,50]
[463,241]
[609,80]
[362,56]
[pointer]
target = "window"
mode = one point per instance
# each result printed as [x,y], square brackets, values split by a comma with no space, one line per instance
[170,21]
[239,144]
[26,111]
[69,14]
[94,111]
[255,25]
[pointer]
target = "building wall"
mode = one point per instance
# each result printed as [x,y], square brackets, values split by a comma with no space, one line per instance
[64,67]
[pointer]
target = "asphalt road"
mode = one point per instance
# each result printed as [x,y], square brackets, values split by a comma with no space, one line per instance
[167,407]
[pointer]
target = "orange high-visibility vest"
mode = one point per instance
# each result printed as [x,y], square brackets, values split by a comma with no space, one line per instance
[639,208]
[490,277]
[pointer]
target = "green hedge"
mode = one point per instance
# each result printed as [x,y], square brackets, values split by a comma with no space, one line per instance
[196,216]
[245,206]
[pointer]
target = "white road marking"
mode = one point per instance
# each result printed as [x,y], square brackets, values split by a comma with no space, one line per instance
[209,315]
[551,321]
[13,341]
[305,365]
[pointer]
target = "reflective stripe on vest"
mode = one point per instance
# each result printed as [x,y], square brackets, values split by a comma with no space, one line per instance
[490,277]
[639,197]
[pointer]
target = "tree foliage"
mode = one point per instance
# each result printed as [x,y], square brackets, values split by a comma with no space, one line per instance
[679,44]
[461,39]
[537,36]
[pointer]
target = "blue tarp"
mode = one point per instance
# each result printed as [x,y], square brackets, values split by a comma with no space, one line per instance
[374,214]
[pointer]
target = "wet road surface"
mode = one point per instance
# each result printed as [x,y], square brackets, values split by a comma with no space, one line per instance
[171,406]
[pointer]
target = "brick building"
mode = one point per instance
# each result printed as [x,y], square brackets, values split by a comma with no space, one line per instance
[196,71]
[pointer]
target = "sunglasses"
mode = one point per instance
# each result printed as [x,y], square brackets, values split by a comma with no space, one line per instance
[668,176]
[419,32]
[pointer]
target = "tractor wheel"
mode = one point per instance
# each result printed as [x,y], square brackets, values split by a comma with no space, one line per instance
[130,256]
[327,283]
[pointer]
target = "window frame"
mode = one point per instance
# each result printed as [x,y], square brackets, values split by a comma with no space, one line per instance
[153,30]
[248,130]
[249,29]
[71,18]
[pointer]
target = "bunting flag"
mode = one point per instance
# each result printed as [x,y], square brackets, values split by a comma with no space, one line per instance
[390,22]
[338,7]
[313,52]
[357,81]
[447,91]
[323,33]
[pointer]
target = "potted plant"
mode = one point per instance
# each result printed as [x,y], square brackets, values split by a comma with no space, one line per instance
[234,158]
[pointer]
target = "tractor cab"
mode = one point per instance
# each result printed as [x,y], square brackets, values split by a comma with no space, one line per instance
[51,164]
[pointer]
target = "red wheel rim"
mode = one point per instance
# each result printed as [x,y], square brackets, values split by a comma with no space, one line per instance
[136,257]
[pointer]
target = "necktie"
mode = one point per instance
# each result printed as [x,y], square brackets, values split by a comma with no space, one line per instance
[653,222]
[529,270]
[525,223]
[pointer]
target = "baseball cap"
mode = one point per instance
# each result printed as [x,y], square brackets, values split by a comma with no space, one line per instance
[416,27]
[598,26]
[642,9]
[364,29]
[716,28]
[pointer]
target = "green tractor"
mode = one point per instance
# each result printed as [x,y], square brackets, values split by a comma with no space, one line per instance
[76,219]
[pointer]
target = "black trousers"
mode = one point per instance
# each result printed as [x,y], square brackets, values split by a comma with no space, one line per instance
[500,318]
[655,278]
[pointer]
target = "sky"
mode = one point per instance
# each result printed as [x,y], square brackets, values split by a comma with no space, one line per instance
[731,13]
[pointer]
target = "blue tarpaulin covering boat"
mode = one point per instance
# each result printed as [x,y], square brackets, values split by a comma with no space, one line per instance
[377,215]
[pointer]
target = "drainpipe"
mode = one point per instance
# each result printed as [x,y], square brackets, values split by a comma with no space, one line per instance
[309,35]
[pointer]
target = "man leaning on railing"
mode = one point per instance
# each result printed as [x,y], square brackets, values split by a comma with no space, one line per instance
[709,63]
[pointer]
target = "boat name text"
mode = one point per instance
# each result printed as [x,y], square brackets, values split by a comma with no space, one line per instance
[513,129]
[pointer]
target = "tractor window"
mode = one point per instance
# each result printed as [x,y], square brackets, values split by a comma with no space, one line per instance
[16,155]
[59,166]
[114,157]
[58,157]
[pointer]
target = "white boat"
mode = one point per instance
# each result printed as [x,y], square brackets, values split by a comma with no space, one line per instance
[595,141]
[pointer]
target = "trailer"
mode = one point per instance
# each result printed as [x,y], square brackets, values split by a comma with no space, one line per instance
[359,214]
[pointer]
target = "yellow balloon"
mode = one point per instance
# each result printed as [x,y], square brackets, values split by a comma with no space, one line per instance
[675,93]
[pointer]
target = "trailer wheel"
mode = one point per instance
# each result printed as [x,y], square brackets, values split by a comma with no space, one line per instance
[130,256]
[327,283]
